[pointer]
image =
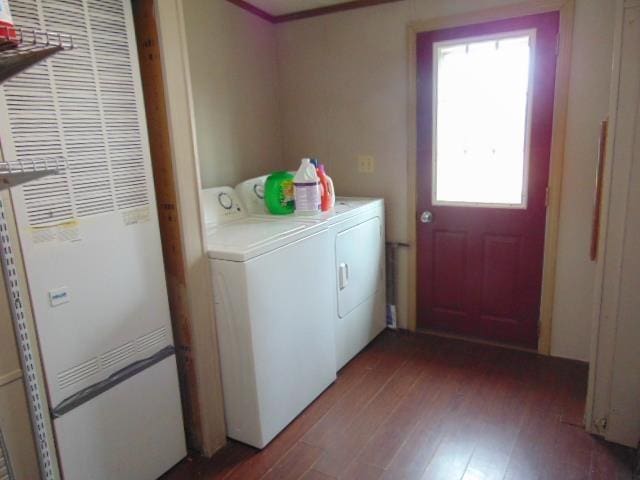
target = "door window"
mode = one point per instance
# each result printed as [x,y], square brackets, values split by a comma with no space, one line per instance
[482,113]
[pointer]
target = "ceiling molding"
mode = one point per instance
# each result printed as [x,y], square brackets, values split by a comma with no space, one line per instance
[253,9]
[314,12]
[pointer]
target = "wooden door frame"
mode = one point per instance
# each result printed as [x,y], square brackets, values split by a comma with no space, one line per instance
[170,22]
[558,134]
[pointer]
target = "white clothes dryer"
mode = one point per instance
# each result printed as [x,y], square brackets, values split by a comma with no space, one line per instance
[357,243]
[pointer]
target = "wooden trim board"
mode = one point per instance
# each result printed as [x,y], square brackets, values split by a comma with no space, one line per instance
[258,12]
[480,341]
[313,12]
[196,297]
[10,377]
[341,7]
[530,7]
[170,229]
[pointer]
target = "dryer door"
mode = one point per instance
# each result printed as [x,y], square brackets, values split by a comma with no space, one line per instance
[358,264]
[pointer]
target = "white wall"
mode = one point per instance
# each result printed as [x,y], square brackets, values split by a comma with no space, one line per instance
[339,89]
[343,87]
[234,79]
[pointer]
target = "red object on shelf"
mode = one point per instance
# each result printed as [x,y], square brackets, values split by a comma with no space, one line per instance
[8,35]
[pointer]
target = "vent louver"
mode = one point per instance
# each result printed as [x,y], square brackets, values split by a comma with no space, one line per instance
[117,355]
[115,358]
[80,110]
[156,338]
[78,373]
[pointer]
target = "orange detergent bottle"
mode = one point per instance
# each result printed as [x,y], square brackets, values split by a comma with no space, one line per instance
[328,198]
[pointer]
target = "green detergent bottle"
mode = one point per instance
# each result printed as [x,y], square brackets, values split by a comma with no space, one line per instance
[279,193]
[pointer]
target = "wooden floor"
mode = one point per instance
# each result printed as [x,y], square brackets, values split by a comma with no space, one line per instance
[422,407]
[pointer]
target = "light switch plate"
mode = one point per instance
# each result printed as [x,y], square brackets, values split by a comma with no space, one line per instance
[59,296]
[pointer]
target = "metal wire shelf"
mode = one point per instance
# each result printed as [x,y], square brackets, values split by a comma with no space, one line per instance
[17,173]
[20,49]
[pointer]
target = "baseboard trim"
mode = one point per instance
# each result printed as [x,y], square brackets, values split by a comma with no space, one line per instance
[10,377]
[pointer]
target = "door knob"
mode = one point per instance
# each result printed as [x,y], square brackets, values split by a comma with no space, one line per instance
[426,217]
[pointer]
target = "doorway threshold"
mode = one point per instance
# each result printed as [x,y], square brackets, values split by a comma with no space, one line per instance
[482,341]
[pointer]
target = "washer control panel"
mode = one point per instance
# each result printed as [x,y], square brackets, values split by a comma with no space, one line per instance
[225,200]
[221,205]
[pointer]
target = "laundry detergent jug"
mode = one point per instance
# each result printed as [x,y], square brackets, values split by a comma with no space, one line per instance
[307,189]
[328,198]
[278,193]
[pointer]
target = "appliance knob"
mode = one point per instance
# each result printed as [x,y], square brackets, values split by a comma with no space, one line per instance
[225,201]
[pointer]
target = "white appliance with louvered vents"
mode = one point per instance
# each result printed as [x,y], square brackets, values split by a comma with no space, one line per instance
[91,244]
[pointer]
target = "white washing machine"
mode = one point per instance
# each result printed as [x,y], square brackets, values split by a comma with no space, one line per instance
[357,243]
[272,284]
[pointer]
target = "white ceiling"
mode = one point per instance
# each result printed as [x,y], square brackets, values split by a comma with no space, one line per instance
[282,7]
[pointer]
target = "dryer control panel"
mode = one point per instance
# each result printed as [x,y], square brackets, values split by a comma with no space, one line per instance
[251,193]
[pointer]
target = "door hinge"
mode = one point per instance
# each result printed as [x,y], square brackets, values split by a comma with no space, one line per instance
[601,424]
[557,44]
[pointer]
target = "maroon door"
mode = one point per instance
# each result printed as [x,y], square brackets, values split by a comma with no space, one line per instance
[480,264]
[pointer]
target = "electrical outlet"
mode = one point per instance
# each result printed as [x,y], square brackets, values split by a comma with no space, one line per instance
[366,164]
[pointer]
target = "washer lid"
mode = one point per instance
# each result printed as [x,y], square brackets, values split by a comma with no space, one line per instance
[346,207]
[248,238]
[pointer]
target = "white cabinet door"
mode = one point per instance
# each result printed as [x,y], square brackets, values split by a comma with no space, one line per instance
[614,392]
[358,264]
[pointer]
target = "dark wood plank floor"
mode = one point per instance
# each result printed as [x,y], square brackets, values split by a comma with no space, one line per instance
[423,407]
